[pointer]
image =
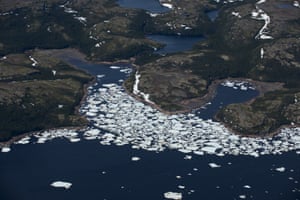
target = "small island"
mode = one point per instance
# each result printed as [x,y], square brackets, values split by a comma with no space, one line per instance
[256,41]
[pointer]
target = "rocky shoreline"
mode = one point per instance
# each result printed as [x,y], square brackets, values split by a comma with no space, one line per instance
[190,104]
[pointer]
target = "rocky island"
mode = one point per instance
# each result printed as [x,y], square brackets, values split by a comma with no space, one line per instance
[257,41]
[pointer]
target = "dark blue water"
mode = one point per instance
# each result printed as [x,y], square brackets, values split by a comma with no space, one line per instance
[149,5]
[27,171]
[111,75]
[175,43]
[225,96]
[213,14]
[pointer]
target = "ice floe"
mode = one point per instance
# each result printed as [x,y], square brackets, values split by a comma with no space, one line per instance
[280,169]
[214,165]
[187,157]
[173,195]
[5,149]
[135,158]
[241,85]
[127,121]
[181,187]
[3,58]
[166,3]
[44,136]
[25,140]
[61,184]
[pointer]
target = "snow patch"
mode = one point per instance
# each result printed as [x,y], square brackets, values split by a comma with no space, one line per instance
[259,14]
[35,63]
[115,67]
[135,158]
[262,52]
[236,14]
[167,5]
[241,85]
[136,90]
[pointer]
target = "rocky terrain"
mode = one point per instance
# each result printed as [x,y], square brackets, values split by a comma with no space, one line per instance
[38,92]
[253,40]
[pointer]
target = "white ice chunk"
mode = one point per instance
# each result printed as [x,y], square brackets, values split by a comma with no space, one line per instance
[135,158]
[214,165]
[209,149]
[187,157]
[61,184]
[167,5]
[74,139]
[114,67]
[173,195]
[5,149]
[280,169]
[3,58]
[181,187]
